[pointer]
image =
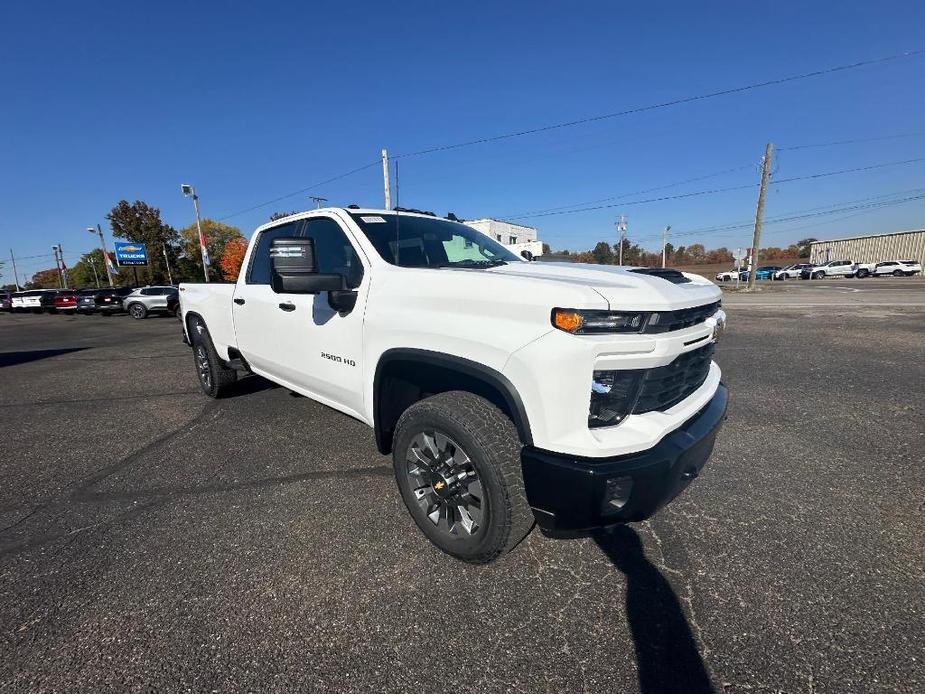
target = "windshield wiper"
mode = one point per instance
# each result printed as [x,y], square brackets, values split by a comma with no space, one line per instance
[472,263]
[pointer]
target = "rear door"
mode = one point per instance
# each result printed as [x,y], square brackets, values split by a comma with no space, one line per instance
[301,340]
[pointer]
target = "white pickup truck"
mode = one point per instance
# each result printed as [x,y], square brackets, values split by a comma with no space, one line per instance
[508,392]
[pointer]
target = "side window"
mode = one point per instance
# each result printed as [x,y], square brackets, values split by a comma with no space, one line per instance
[259,270]
[147,292]
[333,250]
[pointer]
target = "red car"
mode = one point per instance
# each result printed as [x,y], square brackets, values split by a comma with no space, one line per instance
[65,301]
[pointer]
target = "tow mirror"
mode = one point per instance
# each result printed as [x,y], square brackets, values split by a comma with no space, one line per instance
[293,269]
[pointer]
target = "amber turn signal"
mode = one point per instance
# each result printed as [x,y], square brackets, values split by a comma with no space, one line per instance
[566,320]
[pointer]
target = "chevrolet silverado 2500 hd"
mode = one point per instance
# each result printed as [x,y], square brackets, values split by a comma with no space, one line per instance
[508,392]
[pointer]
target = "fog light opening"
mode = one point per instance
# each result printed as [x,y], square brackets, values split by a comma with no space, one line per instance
[617,492]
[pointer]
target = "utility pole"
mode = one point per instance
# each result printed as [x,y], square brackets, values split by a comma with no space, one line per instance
[385,179]
[621,227]
[15,274]
[759,212]
[167,262]
[190,192]
[99,230]
[54,249]
[63,265]
[318,201]
[665,242]
[397,187]
[96,277]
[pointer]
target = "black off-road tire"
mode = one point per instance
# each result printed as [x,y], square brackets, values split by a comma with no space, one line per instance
[490,440]
[220,378]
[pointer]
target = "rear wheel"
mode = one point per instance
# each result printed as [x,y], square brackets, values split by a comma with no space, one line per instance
[457,463]
[818,275]
[138,311]
[862,273]
[214,377]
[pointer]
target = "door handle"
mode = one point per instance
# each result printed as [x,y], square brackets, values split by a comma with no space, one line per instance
[287,307]
[239,301]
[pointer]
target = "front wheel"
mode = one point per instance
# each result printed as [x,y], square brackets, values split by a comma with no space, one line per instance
[863,273]
[818,275]
[457,463]
[137,311]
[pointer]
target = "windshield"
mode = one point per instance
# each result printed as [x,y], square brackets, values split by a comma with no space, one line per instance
[411,241]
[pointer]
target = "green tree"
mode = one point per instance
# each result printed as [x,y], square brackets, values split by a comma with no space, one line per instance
[803,246]
[90,271]
[141,223]
[217,237]
[602,253]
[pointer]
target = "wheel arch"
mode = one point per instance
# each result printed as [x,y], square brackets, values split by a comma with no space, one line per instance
[404,376]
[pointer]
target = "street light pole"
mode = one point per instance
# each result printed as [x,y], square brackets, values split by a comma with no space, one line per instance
[621,227]
[190,192]
[54,249]
[99,230]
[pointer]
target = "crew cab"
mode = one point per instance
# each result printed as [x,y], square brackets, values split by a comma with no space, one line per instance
[833,268]
[509,393]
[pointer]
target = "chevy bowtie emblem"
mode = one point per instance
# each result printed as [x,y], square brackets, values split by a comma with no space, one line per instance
[440,485]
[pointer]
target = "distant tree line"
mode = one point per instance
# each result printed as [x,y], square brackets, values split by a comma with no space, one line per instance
[604,253]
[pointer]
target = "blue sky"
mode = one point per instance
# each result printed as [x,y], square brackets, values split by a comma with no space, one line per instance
[251,101]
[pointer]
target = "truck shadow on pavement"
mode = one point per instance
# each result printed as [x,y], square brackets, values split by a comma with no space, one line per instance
[13,358]
[667,656]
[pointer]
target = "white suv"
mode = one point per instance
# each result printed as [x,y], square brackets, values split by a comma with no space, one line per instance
[833,268]
[897,268]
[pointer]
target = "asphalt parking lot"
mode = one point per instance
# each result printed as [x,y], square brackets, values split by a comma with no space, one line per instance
[154,539]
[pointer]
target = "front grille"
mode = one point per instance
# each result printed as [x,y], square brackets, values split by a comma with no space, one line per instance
[668,321]
[666,386]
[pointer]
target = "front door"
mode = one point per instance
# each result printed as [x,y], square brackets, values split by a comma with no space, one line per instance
[299,339]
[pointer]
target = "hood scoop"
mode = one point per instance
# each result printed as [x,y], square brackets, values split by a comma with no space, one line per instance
[666,273]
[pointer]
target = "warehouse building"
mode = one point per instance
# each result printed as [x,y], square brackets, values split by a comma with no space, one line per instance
[515,237]
[899,245]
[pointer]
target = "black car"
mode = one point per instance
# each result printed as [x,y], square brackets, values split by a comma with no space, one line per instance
[109,301]
[6,301]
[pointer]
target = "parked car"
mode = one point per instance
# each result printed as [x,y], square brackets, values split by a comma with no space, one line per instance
[109,301]
[791,271]
[65,301]
[173,305]
[16,302]
[485,440]
[6,301]
[147,300]
[728,275]
[897,268]
[765,272]
[38,300]
[86,300]
[833,268]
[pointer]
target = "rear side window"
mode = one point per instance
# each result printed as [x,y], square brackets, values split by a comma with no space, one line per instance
[333,250]
[259,270]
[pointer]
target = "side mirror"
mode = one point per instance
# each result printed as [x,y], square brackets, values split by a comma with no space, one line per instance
[527,255]
[293,269]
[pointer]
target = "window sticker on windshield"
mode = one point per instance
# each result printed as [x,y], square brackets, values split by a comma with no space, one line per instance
[373,220]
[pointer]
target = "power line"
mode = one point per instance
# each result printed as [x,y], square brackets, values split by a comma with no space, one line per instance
[714,191]
[665,104]
[301,190]
[852,142]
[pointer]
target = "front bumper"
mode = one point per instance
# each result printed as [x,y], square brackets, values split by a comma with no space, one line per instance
[569,493]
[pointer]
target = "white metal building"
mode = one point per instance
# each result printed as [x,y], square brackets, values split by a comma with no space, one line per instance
[898,245]
[515,237]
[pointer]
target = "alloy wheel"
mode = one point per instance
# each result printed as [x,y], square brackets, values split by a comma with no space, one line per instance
[202,365]
[445,484]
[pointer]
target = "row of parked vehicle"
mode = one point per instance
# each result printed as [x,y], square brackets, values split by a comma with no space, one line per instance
[833,268]
[138,303]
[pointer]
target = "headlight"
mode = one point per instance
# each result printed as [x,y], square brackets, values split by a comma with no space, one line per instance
[584,322]
[612,396]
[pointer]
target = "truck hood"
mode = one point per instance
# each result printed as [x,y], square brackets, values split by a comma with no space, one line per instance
[621,287]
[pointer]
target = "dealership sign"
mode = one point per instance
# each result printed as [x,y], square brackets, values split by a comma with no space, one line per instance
[131,253]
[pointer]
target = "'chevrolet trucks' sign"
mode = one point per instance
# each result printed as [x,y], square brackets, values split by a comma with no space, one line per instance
[131,253]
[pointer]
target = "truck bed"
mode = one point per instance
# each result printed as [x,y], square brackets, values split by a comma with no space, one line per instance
[213,303]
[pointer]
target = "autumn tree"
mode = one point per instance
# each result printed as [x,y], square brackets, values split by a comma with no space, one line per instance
[233,258]
[217,237]
[141,223]
[45,279]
